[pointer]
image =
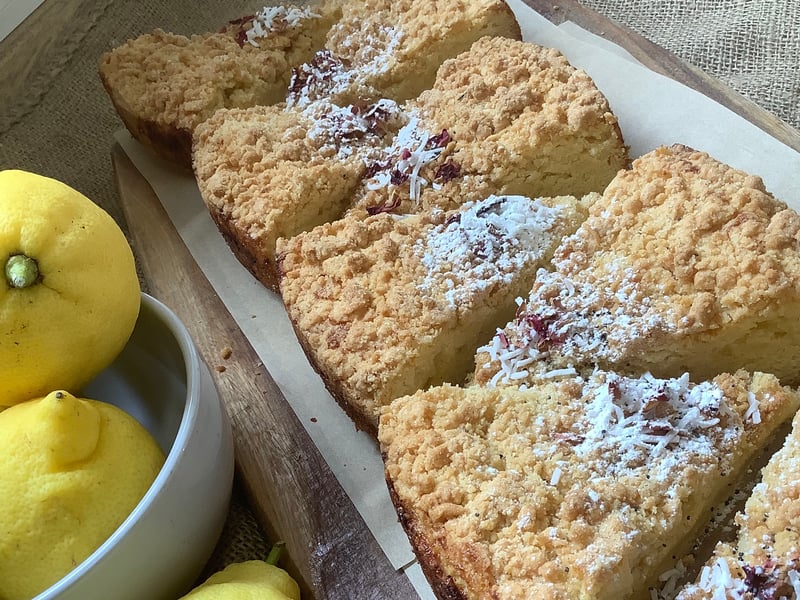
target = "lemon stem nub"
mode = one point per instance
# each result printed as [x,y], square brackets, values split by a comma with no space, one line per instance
[275,554]
[21,271]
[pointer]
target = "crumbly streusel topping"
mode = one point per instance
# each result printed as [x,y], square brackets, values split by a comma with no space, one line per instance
[485,245]
[269,20]
[557,490]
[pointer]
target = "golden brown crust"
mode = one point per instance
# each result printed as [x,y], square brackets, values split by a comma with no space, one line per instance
[385,306]
[518,492]
[441,583]
[170,142]
[163,84]
[686,264]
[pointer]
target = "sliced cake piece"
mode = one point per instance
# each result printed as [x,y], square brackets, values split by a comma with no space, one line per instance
[236,166]
[506,117]
[393,48]
[686,264]
[163,84]
[266,172]
[765,563]
[385,306]
[575,489]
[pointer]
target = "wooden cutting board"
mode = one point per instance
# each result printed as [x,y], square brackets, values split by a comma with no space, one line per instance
[294,495]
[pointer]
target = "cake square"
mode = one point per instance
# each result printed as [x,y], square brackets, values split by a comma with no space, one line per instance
[385,306]
[765,562]
[685,265]
[393,48]
[576,488]
[163,85]
[507,117]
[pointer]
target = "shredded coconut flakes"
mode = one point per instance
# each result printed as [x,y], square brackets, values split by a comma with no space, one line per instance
[271,18]
[413,148]
[485,244]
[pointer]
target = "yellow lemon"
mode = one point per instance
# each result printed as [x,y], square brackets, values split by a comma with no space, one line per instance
[70,295]
[73,470]
[250,580]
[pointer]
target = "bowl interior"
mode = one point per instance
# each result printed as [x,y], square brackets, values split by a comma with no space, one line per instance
[150,378]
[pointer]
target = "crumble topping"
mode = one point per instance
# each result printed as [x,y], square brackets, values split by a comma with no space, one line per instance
[413,148]
[273,18]
[574,322]
[484,245]
[350,130]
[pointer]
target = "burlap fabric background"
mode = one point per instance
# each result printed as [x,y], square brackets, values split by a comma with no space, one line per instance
[62,126]
[751,45]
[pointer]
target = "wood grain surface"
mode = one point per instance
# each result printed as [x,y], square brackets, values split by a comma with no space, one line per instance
[295,496]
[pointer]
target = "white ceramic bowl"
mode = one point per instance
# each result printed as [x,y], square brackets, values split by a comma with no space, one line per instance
[160,549]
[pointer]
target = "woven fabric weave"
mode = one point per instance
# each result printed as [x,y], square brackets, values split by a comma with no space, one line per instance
[753,46]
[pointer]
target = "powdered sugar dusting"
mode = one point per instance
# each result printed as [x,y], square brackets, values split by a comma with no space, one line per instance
[352,130]
[276,18]
[320,79]
[567,321]
[639,419]
[485,245]
[328,74]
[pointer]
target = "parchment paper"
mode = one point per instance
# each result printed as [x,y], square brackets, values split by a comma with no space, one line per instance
[653,110]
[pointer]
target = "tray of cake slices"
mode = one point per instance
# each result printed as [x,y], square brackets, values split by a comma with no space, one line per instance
[533,303]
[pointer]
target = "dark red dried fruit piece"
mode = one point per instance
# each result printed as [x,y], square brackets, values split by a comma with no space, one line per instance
[387,207]
[438,141]
[764,584]
[447,171]
[398,177]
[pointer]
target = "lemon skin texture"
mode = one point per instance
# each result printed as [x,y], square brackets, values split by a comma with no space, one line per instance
[73,470]
[250,580]
[73,319]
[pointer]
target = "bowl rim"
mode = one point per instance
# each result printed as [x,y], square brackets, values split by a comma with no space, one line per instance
[191,361]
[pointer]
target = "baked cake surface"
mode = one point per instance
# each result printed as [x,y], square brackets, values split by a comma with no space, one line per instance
[507,117]
[268,172]
[685,264]
[236,170]
[393,48]
[385,306]
[765,562]
[163,84]
[574,489]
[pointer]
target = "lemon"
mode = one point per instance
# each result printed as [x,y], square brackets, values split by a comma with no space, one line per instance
[70,295]
[73,470]
[250,580]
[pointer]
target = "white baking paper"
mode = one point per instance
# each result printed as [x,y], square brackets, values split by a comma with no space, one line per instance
[652,110]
